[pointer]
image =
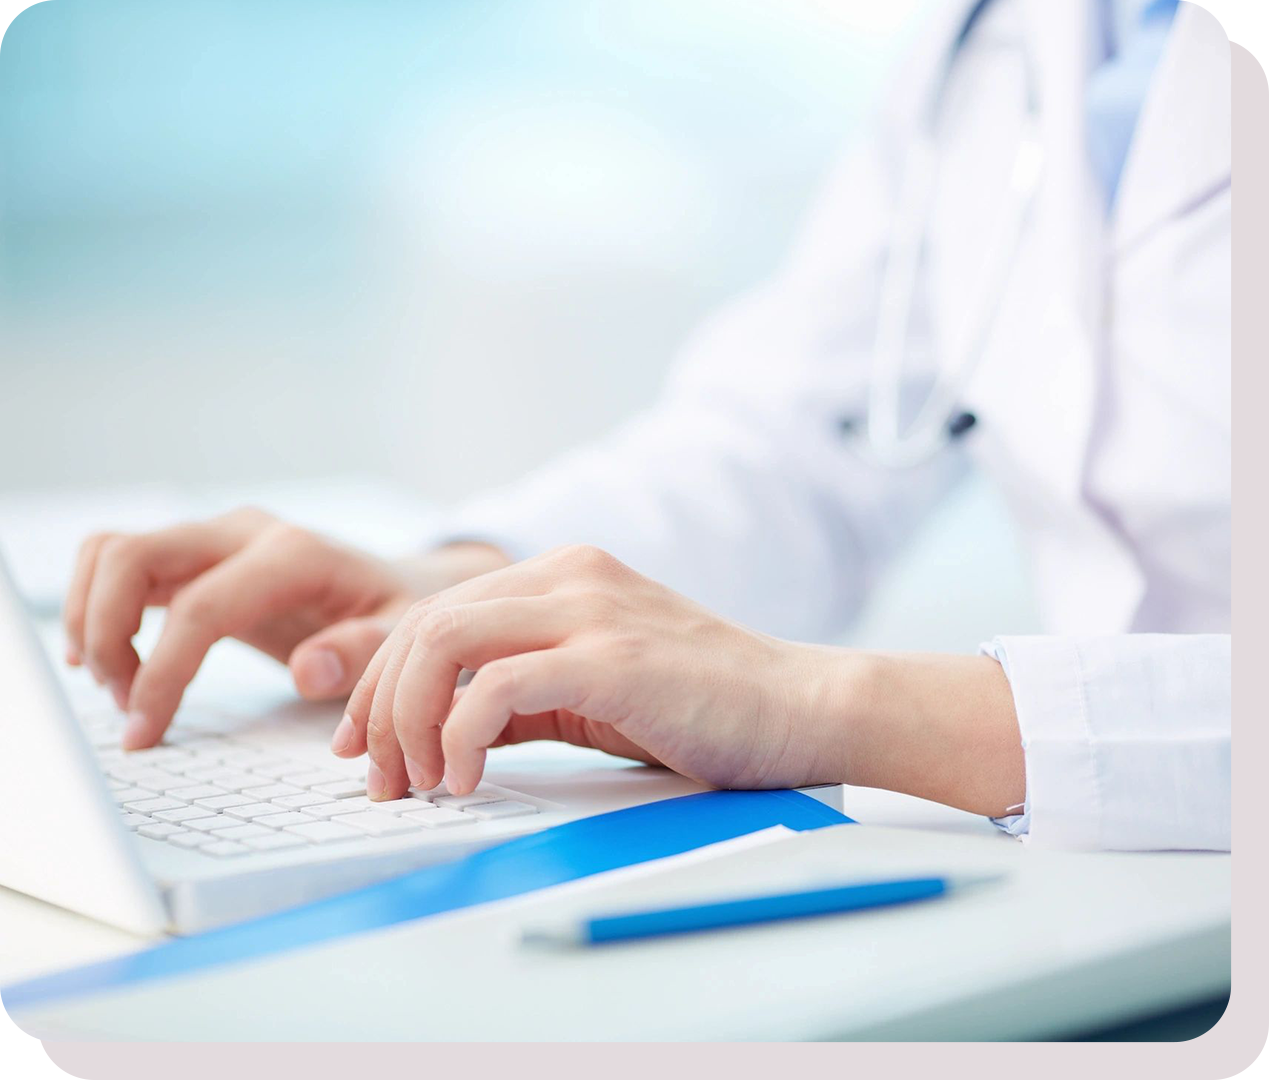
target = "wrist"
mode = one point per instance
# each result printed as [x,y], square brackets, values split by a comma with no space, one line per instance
[940,727]
[827,738]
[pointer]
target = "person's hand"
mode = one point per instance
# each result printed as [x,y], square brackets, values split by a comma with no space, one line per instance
[573,645]
[319,607]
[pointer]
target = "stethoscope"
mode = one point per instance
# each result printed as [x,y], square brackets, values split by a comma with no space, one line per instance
[940,420]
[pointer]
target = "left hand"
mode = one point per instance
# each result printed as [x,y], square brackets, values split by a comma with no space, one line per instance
[573,645]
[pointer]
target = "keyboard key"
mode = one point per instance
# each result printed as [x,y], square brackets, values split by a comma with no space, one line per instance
[158,780]
[162,757]
[358,802]
[116,785]
[272,791]
[322,832]
[495,811]
[150,805]
[280,821]
[334,809]
[220,802]
[399,806]
[183,813]
[275,770]
[300,801]
[439,818]
[341,789]
[312,778]
[376,824]
[211,772]
[248,759]
[250,811]
[275,840]
[243,832]
[134,821]
[159,831]
[201,742]
[271,764]
[132,794]
[461,802]
[196,791]
[189,839]
[225,848]
[236,782]
[207,824]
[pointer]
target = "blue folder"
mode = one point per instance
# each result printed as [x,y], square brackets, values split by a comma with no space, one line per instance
[565,853]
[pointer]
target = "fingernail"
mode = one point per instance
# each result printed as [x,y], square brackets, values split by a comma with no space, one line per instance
[342,739]
[72,656]
[323,671]
[119,691]
[135,731]
[450,785]
[414,771]
[375,783]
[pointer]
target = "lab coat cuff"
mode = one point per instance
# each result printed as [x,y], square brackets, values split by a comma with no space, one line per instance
[1018,825]
[1063,801]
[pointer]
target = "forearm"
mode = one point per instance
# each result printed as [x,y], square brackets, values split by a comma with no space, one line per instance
[941,727]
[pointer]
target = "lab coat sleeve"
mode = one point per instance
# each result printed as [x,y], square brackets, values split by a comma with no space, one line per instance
[739,488]
[1126,738]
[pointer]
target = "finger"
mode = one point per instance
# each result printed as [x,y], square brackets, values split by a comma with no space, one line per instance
[450,639]
[77,596]
[425,761]
[232,595]
[537,727]
[426,764]
[116,601]
[129,573]
[328,664]
[352,736]
[349,739]
[443,641]
[525,684]
[563,726]
[386,775]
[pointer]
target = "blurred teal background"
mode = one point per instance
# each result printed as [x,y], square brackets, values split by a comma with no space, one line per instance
[437,242]
[280,238]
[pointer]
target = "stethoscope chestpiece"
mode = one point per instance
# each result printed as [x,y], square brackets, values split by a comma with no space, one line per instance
[958,424]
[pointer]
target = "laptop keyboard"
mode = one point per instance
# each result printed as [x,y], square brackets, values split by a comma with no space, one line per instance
[223,798]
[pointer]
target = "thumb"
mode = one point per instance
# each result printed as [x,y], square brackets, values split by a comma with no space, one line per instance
[328,664]
[567,727]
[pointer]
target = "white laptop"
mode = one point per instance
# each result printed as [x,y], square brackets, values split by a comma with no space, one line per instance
[234,816]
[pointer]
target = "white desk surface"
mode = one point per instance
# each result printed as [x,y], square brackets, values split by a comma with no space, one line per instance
[1066,942]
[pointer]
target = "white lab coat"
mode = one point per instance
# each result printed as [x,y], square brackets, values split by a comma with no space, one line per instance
[1103,401]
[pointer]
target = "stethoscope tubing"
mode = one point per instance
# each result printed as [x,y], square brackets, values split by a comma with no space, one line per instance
[885,442]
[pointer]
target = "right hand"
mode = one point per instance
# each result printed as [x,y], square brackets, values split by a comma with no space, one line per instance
[308,602]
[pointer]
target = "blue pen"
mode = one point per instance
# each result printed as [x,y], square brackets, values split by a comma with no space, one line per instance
[747,911]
